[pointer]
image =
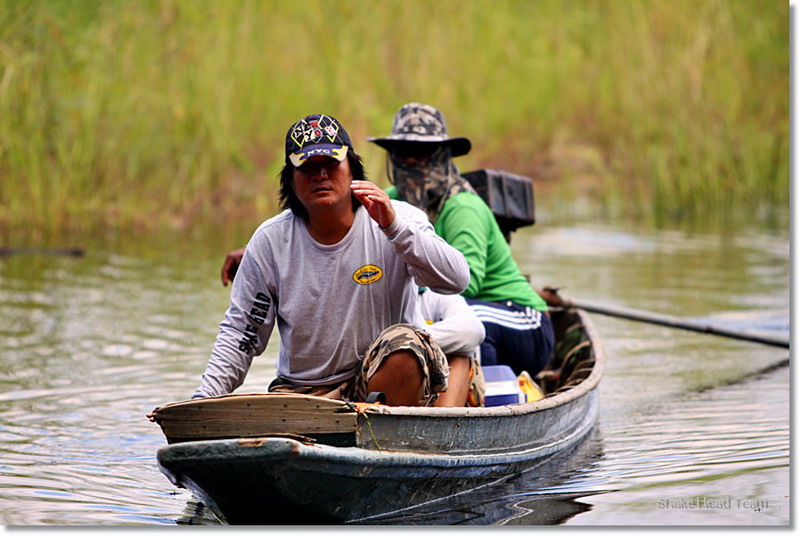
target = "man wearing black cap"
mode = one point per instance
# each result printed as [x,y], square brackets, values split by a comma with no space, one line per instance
[420,166]
[338,271]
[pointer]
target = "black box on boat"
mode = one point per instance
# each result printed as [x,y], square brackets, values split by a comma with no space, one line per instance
[509,196]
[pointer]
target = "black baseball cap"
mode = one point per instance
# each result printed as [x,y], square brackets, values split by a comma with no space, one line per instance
[316,134]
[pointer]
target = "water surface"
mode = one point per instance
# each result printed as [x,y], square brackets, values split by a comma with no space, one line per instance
[89,345]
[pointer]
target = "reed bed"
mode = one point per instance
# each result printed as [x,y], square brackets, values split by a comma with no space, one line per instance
[152,113]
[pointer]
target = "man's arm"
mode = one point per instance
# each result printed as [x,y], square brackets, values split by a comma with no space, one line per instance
[468,229]
[456,328]
[433,262]
[231,266]
[243,333]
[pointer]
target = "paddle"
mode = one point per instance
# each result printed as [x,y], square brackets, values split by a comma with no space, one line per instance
[554,299]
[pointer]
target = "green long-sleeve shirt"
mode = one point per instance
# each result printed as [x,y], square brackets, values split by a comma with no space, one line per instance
[467,223]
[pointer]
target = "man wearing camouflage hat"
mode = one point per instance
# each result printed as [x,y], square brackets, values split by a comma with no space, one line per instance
[420,166]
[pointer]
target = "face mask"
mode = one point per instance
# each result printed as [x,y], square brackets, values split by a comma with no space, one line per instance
[429,183]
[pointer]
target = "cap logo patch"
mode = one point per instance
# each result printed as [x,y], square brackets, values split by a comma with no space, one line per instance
[367,274]
[308,132]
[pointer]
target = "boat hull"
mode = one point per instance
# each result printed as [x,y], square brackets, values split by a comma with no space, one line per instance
[280,480]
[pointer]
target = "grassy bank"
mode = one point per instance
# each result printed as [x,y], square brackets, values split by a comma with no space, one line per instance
[173,112]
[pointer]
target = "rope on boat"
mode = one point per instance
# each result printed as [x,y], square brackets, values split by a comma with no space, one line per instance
[360,409]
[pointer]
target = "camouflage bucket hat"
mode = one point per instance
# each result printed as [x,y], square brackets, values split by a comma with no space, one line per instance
[416,122]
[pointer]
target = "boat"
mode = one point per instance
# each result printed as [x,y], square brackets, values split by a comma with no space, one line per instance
[295,459]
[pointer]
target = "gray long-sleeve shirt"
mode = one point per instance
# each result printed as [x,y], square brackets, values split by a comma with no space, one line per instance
[329,301]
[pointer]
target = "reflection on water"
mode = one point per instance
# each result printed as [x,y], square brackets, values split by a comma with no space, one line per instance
[89,345]
[547,494]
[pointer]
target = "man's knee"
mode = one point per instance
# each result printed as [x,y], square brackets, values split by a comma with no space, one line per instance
[401,364]
[400,377]
[402,352]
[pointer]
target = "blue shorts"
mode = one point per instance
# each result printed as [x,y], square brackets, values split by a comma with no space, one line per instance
[518,336]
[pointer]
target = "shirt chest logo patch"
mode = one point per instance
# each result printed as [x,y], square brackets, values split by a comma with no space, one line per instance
[367,274]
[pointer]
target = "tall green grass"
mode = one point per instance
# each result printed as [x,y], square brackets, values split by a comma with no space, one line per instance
[123,112]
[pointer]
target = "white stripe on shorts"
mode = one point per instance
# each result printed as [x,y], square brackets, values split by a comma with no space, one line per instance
[519,320]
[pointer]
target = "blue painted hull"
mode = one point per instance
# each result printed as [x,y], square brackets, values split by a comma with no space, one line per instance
[278,480]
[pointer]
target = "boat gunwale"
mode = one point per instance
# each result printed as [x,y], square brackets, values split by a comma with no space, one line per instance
[355,455]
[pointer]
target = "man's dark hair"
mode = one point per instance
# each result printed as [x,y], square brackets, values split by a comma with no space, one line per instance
[288,199]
